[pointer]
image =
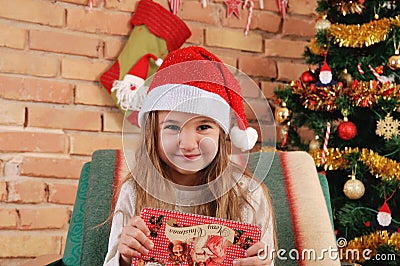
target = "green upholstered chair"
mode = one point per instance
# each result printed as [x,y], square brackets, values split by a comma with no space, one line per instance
[300,198]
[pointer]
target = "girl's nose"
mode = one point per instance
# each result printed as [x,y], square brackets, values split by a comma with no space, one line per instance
[187,139]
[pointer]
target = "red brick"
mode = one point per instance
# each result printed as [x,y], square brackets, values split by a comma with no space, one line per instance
[98,21]
[3,191]
[36,90]
[303,7]
[82,69]
[298,26]
[12,114]
[163,3]
[113,47]
[197,36]
[39,65]
[9,218]
[268,5]
[113,122]
[228,57]
[192,10]
[86,144]
[258,110]
[284,48]
[267,21]
[41,12]
[256,66]
[80,2]
[288,71]
[234,39]
[269,133]
[249,88]
[90,94]
[50,117]
[43,218]
[268,88]
[126,5]
[29,245]
[27,191]
[62,193]
[52,167]
[32,142]
[66,43]
[12,37]
[234,22]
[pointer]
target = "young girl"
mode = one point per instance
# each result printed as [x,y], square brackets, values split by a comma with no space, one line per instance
[183,162]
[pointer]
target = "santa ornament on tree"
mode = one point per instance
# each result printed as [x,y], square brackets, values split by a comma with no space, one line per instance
[325,75]
[384,215]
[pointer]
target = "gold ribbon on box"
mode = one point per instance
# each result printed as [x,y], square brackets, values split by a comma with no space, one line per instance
[186,233]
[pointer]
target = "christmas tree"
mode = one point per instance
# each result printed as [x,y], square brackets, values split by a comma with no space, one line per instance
[349,98]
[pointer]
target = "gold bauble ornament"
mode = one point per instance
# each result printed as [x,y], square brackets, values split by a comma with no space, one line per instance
[314,144]
[282,114]
[346,78]
[322,24]
[394,61]
[354,188]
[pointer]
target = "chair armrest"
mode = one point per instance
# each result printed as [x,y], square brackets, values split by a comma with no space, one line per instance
[51,259]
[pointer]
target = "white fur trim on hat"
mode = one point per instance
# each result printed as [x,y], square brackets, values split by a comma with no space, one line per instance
[244,139]
[188,99]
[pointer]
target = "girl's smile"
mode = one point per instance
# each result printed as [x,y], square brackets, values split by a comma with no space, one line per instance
[187,144]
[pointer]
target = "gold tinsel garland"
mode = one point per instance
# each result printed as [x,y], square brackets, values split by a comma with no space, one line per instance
[379,166]
[372,242]
[348,6]
[361,93]
[358,36]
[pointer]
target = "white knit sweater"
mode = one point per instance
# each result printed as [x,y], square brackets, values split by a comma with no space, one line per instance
[125,208]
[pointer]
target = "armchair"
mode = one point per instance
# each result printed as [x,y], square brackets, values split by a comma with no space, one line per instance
[300,198]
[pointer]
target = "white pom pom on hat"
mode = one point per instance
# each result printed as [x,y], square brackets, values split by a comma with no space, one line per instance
[193,80]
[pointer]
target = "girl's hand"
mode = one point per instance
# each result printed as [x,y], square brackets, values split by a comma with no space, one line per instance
[134,240]
[252,258]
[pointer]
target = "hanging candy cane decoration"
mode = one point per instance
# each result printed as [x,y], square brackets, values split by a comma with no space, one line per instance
[246,32]
[174,5]
[325,146]
[91,4]
[204,3]
[261,4]
[360,70]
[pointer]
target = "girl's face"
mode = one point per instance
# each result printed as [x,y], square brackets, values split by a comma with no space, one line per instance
[187,144]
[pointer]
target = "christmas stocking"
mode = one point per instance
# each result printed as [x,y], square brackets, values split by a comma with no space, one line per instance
[156,32]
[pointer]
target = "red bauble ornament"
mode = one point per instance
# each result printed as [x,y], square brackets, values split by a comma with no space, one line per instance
[347,130]
[308,77]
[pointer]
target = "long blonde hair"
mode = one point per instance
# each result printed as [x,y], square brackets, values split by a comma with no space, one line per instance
[228,206]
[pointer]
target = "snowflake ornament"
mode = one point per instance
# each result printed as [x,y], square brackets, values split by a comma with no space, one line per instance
[388,128]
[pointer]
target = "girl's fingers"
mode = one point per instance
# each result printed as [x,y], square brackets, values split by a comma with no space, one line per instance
[136,240]
[127,253]
[255,249]
[140,224]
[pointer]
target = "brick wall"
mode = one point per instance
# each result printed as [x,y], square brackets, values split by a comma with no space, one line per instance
[54,113]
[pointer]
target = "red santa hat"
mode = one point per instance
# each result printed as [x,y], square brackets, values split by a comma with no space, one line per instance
[131,91]
[193,80]
[325,67]
[385,208]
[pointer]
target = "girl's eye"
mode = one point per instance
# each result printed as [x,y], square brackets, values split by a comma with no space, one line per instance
[173,127]
[204,127]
